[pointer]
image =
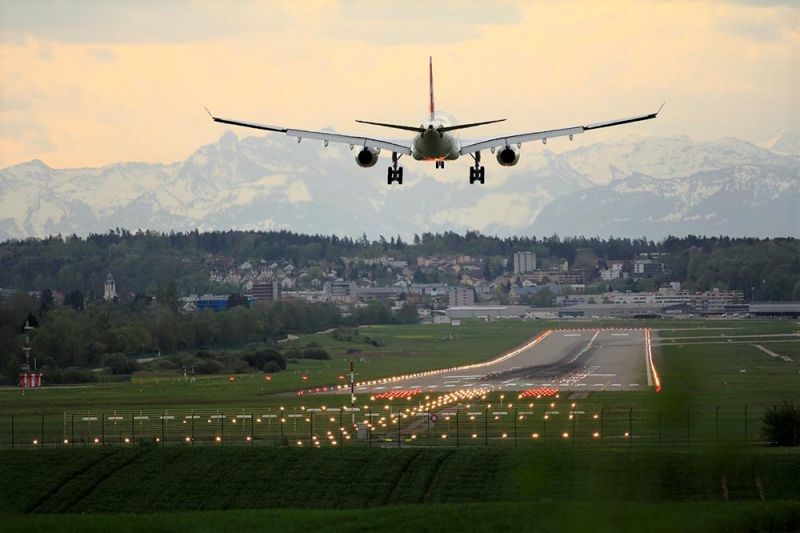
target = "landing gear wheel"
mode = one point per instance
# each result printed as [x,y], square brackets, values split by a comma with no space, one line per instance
[439,164]
[394,173]
[477,172]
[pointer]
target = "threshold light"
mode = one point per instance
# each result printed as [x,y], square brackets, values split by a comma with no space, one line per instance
[96,440]
[218,439]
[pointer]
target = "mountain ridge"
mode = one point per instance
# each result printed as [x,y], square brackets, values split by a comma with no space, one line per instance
[271,182]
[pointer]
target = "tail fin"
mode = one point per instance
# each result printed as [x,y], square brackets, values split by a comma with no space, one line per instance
[430,75]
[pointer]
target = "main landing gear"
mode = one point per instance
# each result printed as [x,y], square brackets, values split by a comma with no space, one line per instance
[477,172]
[394,173]
[439,164]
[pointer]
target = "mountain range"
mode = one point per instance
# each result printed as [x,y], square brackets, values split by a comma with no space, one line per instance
[636,186]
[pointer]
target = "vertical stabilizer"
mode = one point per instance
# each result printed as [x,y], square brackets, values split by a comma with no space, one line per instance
[430,77]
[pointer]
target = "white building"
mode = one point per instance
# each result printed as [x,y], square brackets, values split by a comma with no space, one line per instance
[110,289]
[524,262]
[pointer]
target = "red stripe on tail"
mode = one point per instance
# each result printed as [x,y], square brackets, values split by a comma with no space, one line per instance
[430,74]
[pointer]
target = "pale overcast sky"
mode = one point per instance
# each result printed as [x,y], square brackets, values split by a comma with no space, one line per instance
[87,83]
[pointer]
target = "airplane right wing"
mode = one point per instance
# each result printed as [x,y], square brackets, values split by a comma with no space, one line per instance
[547,134]
[365,142]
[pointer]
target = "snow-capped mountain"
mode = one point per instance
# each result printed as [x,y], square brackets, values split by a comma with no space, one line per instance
[635,186]
[785,143]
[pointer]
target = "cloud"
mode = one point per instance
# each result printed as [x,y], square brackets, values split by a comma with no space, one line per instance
[102,54]
[136,21]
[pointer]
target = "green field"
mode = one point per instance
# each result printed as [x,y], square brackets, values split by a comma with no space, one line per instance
[545,517]
[711,392]
[609,461]
[356,489]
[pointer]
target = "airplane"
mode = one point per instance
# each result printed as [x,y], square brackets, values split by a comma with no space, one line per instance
[434,140]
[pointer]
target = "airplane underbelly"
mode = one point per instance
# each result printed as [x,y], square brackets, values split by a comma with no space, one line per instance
[434,147]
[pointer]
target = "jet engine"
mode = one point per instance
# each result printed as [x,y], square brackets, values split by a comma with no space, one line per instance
[367,157]
[508,156]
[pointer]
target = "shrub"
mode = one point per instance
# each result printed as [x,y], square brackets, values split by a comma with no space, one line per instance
[782,424]
[315,353]
[208,366]
[353,350]
[260,358]
[118,363]
[271,367]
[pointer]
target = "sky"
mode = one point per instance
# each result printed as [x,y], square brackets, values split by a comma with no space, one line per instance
[88,83]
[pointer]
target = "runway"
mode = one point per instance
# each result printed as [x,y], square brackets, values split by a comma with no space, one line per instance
[575,360]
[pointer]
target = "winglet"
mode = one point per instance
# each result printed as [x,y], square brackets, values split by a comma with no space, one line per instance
[660,108]
[209,112]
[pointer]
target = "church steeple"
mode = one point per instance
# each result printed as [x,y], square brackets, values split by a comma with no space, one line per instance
[110,291]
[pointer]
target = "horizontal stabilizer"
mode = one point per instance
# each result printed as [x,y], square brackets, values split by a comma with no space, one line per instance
[395,126]
[471,125]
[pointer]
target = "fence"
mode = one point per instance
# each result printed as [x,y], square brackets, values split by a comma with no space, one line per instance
[523,424]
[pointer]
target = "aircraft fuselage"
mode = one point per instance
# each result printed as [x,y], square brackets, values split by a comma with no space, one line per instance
[432,145]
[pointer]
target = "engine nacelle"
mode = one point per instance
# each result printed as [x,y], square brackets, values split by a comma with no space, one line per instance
[367,157]
[508,156]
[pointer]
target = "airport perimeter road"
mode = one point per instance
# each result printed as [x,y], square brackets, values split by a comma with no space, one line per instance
[580,360]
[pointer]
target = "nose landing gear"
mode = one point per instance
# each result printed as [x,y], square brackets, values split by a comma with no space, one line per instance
[394,173]
[477,172]
[439,164]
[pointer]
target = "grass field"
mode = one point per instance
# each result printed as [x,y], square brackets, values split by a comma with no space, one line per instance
[697,379]
[545,517]
[681,461]
[357,489]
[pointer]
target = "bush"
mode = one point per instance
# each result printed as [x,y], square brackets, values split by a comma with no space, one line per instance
[353,351]
[782,424]
[118,363]
[208,366]
[260,358]
[271,367]
[315,353]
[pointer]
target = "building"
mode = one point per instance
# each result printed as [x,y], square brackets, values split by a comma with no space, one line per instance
[646,267]
[110,289]
[572,276]
[340,291]
[266,291]
[524,262]
[379,293]
[461,296]
[488,312]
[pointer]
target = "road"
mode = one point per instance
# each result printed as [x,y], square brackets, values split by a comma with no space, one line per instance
[577,360]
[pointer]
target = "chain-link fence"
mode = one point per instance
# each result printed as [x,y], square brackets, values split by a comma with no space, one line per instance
[392,424]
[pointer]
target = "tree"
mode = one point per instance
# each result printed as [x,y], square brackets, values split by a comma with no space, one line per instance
[407,314]
[782,424]
[75,299]
[235,299]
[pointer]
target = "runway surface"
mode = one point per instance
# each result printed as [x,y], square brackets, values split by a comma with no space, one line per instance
[576,360]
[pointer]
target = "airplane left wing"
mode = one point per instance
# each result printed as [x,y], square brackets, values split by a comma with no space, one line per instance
[364,142]
[547,134]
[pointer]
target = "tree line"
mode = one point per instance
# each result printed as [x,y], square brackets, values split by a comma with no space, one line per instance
[147,262]
[66,337]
